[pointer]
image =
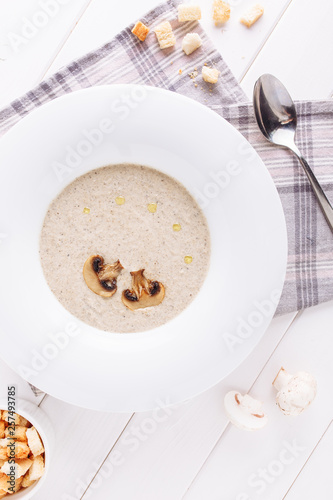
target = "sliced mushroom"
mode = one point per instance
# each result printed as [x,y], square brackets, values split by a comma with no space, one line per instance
[244,411]
[101,278]
[144,292]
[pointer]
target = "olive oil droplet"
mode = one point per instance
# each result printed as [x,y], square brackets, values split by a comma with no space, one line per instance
[152,207]
[188,259]
[86,210]
[120,200]
[176,227]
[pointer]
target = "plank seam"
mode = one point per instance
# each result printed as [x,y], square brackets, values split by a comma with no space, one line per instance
[107,456]
[306,461]
[244,73]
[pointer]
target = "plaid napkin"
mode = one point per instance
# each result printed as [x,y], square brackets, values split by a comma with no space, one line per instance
[125,59]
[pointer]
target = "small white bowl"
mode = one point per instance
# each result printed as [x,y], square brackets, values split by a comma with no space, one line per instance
[44,427]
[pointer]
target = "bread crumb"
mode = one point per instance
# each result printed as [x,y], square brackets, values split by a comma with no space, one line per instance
[188,13]
[210,75]
[221,11]
[193,74]
[165,35]
[141,31]
[252,15]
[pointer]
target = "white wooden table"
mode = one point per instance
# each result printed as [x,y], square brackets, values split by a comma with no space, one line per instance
[191,451]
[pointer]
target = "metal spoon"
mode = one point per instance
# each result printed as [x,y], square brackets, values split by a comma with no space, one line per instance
[277,119]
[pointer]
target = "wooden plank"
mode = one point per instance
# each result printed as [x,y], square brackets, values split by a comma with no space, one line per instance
[298,51]
[83,440]
[315,479]
[238,44]
[267,462]
[31,34]
[162,457]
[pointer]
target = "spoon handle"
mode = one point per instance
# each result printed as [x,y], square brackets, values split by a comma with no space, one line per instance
[324,203]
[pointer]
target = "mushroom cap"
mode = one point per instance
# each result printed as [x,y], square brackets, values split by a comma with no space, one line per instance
[97,280]
[298,394]
[244,412]
[144,293]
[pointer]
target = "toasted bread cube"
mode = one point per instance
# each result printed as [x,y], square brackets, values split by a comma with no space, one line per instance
[37,469]
[20,449]
[165,35]
[26,481]
[141,31]
[21,467]
[191,42]
[252,15]
[188,13]
[34,442]
[210,75]
[221,11]
[24,422]
[19,433]
[11,418]
[3,493]
[2,429]
[5,484]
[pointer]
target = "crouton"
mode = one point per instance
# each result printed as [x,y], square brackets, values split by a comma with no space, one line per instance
[11,418]
[3,493]
[191,42]
[20,449]
[19,433]
[2,429]
[34,442]
[165,35]
[210,75]
[252,15]
[37,469]
[188,12]
[21,467]
[27,482]
[221,11]
[5,484]
[141,31]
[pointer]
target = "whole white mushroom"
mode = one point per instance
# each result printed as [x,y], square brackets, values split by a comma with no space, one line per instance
[244,411]
[295,392]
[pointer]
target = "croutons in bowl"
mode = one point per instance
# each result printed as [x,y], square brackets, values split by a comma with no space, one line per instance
[25,440]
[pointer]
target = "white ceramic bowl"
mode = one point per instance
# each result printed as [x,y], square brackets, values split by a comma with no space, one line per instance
[41,422]
[135,372]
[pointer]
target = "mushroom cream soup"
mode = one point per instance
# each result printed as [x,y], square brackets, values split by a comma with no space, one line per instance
[125,248]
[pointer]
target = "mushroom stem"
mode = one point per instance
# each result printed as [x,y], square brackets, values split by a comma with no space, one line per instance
[282,379]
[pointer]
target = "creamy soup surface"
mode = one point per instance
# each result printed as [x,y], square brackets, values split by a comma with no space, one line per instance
[140,216]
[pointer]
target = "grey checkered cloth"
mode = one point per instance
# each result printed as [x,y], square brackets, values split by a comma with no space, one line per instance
[125,59]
